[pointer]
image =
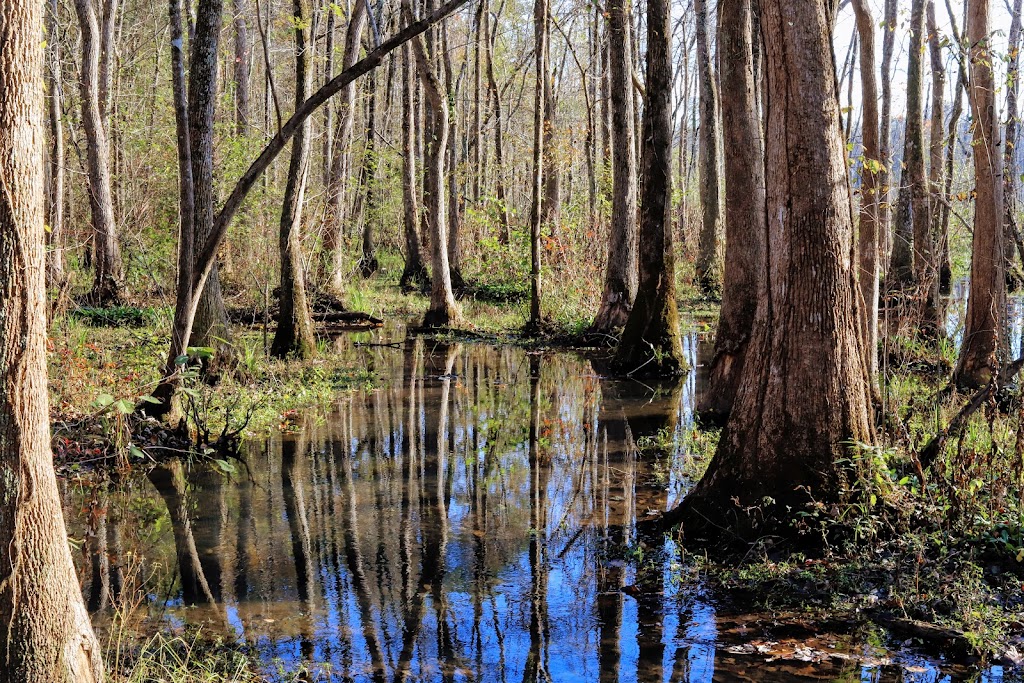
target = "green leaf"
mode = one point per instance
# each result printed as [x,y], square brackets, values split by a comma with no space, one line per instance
[123,406]
[103,400]
[136,451]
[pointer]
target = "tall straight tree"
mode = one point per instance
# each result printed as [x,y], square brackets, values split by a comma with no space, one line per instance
[537,213]
[44,627]
[709,266]
[622,272]
[55,194]
[1011,176]
[108,280]
[868,242]
[803,396]
[744,207]
[885,123]
[986,304]
[415,272]
[650,343]
[242,66]
[294,325]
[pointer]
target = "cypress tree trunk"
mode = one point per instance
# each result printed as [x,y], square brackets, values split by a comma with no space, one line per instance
[744,208]
[709,257]
[44,626]
[294,325]
[803,394]
[650,343]
[986,306]
[621,275]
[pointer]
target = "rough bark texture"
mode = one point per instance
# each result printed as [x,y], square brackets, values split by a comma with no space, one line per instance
[622,274]
[986,304]
[709,256]
[45,633]
[108,278]
[294,335]
[337,190]
[415,272]
[803,396]
[210,328]
[651,344]
[744,208]
[55,177]
[868,243]
[443,310]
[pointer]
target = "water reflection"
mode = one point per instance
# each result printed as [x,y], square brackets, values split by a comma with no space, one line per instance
[474,519]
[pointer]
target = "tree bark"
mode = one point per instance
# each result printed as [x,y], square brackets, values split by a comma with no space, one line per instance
[242,67]
[44,626]
[803,396]
[295,334]
[622,272]
[504,235]
[108,279]
[55,179]
[414,274]
[540,136]
[368,263]
[936,171]
[986,304]
[709,257]
[744,208]
[1011,178]
[651,344]
[868,242]
[885,129]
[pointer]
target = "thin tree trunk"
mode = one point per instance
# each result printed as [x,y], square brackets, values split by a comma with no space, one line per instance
[935,158]
[537,214]
[499,159]
[885,129]
[622,273]
[986,304]
[925,263]
[804,396]
[1011,178]
[709,257]
[744,208]
[651,344]
[108,280]
[44,628]
[295,334]
[55,194]
[368,264]
[551,205]
[415,273]
[242,67]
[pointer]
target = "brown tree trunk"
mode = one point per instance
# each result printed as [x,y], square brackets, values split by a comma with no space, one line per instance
[803,395]
[885,131]
[108,280]
[55,178]
[443,310]
[709,256]
[368,263]
[537,213]
[936,175]
[868,243]
[44,626]
[1011,177]
[651,344]
[925,263]
[337,191]
[295,334]
[414,274]
[621,275]
[499,158]
[986,304]
[242,67]
[744,208]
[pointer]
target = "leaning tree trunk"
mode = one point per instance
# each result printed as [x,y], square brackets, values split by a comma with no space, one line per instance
[744,208]
[986,304]
[55,177]
[709,268]
[415,272]
[443,310]
[295,334]
[804,396]
[651,344]
[621,274]
[44,626]
[210,328]
[868,244]
[108,279]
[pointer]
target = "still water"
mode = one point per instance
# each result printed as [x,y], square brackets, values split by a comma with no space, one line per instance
[470,520]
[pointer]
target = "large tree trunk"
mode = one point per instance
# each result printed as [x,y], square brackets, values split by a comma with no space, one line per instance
[415,272]
[540,33]
[443,310]
[43,622]
[210,328]
[804,396]
[242,67]
[986,304]
[709,257]
[744,208]
[621,275]
[337,190]
[295,334]
[55,177]
[651,344]
[108,280]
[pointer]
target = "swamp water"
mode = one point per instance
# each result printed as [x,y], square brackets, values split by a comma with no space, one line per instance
[470,520]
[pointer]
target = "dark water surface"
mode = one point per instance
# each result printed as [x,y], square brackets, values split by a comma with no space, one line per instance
[471,520]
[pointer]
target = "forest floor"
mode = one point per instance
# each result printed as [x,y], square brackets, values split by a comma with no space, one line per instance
[936,557]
